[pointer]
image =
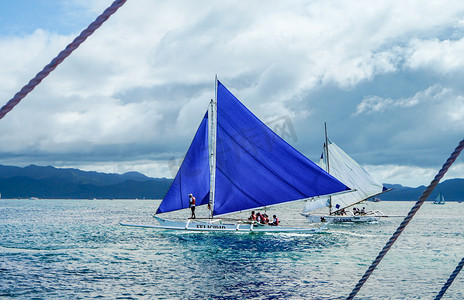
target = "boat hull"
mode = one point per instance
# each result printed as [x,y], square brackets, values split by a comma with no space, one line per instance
[341,219]
[220,226]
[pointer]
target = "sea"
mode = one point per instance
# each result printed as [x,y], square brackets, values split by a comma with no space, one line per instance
[76,249]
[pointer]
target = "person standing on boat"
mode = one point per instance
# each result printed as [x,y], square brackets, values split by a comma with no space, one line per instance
[192,205]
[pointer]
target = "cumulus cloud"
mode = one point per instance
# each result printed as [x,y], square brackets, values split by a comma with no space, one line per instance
[135,91]
[411,176]
[437,55]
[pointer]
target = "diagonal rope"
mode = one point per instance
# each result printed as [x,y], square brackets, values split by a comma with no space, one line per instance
[63,54]
[408,218]
[450,280]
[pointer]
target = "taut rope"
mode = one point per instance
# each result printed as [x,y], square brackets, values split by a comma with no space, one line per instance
[450,279]
[63,54]
[408,218]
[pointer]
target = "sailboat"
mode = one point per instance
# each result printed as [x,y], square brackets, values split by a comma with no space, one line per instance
[236,163]
[339,164]
[440,199]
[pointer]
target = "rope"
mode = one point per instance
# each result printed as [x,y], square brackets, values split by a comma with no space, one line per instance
[63,54]
[408,218]
[450,280]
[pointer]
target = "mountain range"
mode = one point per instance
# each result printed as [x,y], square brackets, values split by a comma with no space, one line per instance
[451,189]
[55,183]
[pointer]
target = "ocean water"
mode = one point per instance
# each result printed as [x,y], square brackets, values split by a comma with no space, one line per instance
[76,249]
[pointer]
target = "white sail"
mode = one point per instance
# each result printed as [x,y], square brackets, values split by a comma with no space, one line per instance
[316,204]
[440,199]
[348,171]
[323,201]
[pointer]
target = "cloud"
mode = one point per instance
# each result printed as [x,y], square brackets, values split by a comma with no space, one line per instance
[437,55]
[375,104]
[412,176]
[385,75]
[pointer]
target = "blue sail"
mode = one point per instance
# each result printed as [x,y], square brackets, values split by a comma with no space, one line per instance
[193,175]
[255,167]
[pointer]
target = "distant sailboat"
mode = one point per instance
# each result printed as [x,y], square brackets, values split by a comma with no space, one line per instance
[236,163]
[340,165]
[440,199]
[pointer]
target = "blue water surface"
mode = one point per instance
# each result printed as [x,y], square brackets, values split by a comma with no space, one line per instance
[76,249]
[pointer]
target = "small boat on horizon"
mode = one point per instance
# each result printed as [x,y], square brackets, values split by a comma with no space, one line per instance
[440,199]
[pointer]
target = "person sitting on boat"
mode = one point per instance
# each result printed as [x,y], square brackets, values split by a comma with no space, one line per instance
[275,221]
[265,219]
[192,205]
[259,218]
[355,211]
[363,211]
[253,216]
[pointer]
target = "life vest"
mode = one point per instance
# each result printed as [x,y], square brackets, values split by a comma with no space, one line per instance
[276,222]
[192,201]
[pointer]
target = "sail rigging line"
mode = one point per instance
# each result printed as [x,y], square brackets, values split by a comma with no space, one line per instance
[212,156]
[327,149]
[326,146]
[213,150]
[61,56]
[450,279]
[407,219]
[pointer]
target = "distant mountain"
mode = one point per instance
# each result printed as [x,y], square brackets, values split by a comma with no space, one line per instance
[452,190]
[54,183]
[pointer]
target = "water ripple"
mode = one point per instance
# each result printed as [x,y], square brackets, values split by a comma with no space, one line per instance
[76,249]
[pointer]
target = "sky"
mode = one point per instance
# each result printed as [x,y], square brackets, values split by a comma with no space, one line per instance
[386,77]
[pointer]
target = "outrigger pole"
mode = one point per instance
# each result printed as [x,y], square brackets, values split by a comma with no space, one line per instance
[212,120]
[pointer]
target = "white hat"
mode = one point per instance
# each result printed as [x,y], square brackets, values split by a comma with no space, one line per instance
[190,195]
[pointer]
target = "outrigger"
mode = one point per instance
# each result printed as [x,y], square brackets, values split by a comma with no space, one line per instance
[232,225]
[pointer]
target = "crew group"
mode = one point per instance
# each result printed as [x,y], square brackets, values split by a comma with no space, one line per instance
[356,211]
[264,219]
[260,218]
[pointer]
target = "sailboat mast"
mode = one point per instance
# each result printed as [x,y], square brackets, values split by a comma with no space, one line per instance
[212,118]
[326,148]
